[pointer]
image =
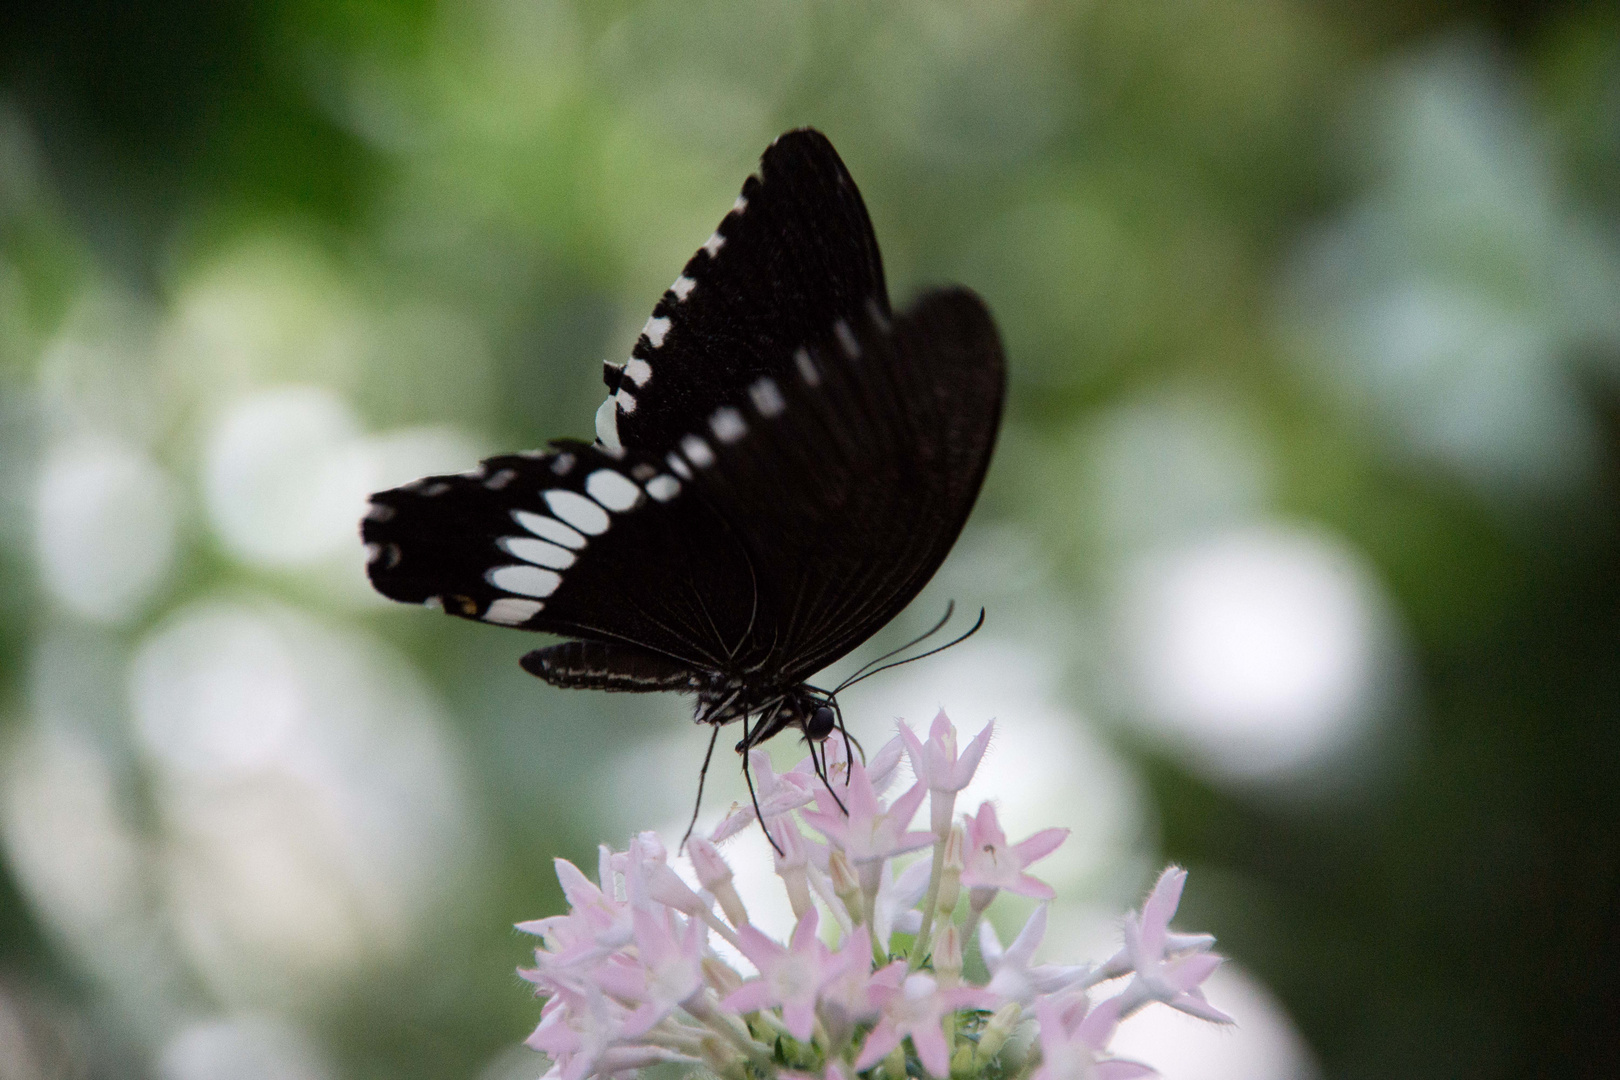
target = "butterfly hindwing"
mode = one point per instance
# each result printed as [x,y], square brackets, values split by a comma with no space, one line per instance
[852,497]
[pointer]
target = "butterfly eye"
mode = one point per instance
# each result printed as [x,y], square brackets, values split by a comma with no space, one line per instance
[820,724]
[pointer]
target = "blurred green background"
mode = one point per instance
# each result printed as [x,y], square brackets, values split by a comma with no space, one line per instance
[1300,546]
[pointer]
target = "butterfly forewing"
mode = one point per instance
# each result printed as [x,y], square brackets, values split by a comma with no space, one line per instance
[795,253]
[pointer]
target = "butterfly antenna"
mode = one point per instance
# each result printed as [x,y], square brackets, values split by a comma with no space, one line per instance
[974,629]
[702,775]
[748,775]
[860,672]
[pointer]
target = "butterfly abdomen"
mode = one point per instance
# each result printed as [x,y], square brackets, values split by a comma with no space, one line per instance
[597,665]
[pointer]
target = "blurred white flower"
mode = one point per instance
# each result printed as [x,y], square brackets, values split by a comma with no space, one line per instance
[105,527]
[242,1048]
[1257,652]
[279,488]
[287,472]
[311,807]
[75,856]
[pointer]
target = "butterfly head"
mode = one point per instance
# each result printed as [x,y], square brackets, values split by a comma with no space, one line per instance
[822,723]
[811,711]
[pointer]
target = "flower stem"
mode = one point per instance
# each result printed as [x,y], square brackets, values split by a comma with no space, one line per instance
[919,948]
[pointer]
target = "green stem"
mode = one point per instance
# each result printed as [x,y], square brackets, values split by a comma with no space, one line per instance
[919,948]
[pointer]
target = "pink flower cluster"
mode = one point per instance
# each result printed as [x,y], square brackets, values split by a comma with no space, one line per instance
[631,976]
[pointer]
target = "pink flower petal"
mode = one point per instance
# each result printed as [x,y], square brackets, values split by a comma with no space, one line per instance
[968,763]
[799,1018]
[935,1055]
[1040,845]
[1032,886]
[761,951]
[1161,907]
[879,1042]
[749,997]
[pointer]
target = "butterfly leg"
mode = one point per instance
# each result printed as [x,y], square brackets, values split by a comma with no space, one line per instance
[748,775]
[703,774]
[820,765]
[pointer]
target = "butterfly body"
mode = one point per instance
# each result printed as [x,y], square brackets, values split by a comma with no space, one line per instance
[780,467]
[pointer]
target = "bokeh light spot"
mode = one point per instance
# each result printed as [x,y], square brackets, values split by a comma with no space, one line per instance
[1255,651]
[106,528]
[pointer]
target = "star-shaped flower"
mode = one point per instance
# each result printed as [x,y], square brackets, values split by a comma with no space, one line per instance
[848,996]
[881,768]
[671,969]
[576,1028]
[595,925]
[918,1007]
[777,794]
[790,977]
[1011,976]
[936,762]
[1169,967]
[870,831]
[937,765]
[1073,1037]
[989,862]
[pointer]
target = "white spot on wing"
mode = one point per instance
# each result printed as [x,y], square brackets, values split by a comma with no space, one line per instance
[655,329]
[714,243]
[539,552]
[638,371]
[379,512]
[683,287]
[740,205]
[767,397]
[607,424]
[677,465]
[846,339]
[500,479]
[578,511]
[613,490]
[807,368]
[549,528]
[509,611]
[525,580]
[727,424]
[697,451]
[626,400]
[663,487]
[433,603]
[878,317]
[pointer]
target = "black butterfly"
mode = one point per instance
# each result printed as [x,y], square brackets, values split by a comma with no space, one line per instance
[780,468]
